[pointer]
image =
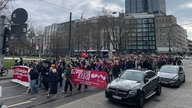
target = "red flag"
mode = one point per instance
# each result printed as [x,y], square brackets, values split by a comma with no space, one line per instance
[84,55]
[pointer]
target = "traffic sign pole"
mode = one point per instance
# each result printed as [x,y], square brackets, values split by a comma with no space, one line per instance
[2,24]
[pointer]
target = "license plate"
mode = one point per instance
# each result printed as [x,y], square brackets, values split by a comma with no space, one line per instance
[116,97]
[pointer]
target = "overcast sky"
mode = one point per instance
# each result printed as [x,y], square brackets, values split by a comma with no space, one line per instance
[43,13]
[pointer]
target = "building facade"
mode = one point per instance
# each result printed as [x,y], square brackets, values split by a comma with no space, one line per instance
[139,31]
[189,46]
[156,7]
[144,27]
[170,36]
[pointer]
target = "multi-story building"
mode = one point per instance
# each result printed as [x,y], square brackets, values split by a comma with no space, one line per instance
[189,46]
[170,36]
[57,39]
[156,7]
[145,28]
[139,31]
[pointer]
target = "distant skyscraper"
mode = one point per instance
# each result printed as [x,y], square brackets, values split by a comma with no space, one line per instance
[156,7]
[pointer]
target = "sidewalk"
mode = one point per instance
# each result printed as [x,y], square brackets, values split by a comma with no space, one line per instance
[87,102]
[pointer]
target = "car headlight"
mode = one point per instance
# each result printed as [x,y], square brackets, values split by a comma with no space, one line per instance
[132,93]
[174,79]
[107,88]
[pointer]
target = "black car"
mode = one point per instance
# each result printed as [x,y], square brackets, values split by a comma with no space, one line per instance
[133,87]
[171,75]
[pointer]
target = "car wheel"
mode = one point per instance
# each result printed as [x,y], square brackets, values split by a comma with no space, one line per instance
[184,79]
[158,89]
[141,100]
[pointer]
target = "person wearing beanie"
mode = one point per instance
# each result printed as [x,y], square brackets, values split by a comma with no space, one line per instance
[53,78]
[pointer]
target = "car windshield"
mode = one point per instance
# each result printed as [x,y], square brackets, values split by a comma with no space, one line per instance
[169,69]
[132,75]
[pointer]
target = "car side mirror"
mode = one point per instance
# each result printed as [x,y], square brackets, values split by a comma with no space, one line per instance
[146,80]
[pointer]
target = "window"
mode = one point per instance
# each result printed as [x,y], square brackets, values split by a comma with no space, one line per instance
[151,34]
[140,47]
[144,20]
[133,47]
[134,43]
[144,34]
[152,47]
[145,25]
[145,29]
[145,38]
[139,38]
[151,20]
[139,34]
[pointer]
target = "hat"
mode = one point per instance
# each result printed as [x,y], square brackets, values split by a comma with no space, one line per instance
[53,65]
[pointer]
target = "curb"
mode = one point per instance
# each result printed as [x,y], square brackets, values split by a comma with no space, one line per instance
[5,78]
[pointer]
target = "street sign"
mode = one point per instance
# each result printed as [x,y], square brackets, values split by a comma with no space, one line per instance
[19,29]
[19,16]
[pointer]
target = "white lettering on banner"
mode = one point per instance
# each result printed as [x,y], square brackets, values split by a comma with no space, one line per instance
[89,77]
[76,71]
[21,70]
[101,77]
[0,91]
[85,75]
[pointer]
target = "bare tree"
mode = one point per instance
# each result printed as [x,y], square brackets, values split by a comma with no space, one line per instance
[82,35]
[114,28]
[97,36]
[3,4]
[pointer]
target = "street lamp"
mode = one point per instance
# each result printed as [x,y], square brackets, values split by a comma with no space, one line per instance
[69,44]
[110,52]
[169,40]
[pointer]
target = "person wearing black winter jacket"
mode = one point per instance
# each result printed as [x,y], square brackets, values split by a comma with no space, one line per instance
[68,79]
[33,74]
[116,70]
[53,78]
[60,71]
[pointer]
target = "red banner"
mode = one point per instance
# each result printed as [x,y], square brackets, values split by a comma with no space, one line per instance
[88,77]
[21,75]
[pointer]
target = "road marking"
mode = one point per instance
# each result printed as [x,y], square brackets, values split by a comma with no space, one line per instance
[18,104]
[10,87]
[10,97]
[0,91]
[33,99]
[4,81]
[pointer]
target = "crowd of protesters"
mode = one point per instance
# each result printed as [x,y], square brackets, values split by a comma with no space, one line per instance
[49,74]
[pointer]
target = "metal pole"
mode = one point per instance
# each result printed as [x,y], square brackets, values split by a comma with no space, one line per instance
[2,24]
[169,44]
[69,44]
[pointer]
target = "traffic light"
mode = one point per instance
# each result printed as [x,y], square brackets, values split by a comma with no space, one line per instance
[7,35]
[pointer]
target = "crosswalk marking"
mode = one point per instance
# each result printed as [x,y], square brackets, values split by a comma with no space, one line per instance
[18,104]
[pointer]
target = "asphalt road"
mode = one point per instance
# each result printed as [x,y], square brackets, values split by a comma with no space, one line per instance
[170,98]
[15,96]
